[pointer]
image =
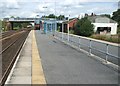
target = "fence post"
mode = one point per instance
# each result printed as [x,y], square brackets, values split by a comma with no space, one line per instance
[68,32]
[90,47]
[62,31]
[106,60]
[70,40]
[79,43]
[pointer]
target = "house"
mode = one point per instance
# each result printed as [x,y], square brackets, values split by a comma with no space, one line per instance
[71,23]
[103,25]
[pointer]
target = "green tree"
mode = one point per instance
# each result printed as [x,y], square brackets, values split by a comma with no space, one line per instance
[51,16]
[3,25]
[20,25]
[107,15]
[24,25]
[12,17]
[84,27]
[61,17]
[116,17]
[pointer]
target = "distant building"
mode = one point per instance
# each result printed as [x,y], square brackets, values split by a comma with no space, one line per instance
[71,23]
[103,25]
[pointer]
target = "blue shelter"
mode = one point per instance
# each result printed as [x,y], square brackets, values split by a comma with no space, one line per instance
[49,25]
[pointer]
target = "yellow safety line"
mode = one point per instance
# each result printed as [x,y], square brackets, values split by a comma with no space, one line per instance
[37,70]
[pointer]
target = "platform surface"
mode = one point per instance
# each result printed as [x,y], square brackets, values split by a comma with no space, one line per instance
[65,65]
[46,60]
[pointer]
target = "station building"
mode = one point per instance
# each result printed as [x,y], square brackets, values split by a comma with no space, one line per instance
[103,25]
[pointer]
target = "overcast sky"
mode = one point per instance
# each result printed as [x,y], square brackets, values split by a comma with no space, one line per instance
[74,8]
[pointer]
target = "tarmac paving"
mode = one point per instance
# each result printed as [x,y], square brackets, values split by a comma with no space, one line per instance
[65,65]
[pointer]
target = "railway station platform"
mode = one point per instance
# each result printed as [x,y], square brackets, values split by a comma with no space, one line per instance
[21,71]
[46,60]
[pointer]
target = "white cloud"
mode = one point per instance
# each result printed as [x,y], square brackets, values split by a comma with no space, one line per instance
[77,1]
[93,10]
[45,8]
[9,4]
[33,15]
[64,7]
[99,10]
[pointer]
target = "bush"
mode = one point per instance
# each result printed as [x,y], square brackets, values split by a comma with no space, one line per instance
[114,38]
[118,31]
[16,28]
[71,32]
[84,27]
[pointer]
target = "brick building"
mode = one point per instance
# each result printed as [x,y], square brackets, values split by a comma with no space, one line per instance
[71,23]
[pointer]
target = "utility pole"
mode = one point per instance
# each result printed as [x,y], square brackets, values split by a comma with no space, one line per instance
[68,28]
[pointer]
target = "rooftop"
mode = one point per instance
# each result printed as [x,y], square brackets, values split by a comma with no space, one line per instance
[102,19]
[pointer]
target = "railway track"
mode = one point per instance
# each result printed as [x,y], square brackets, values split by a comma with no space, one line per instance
[5,34]
[9,33]
[11,45]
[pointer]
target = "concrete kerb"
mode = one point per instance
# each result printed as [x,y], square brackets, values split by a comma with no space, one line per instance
[109,64]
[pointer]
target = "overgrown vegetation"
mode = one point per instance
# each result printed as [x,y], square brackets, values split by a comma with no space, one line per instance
[109,38]
[3,25]
[83,27]
[71,32]
[116,17]
[60,17]
[20,25]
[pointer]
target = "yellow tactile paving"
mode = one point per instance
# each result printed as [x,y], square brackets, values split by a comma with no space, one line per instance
[37,71]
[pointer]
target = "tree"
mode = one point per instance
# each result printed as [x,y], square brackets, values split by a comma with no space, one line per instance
[12,17]
[86,15]
[84,27]
[17,25]
[4,25]
[24,25]
[107,15]
[61,17]
[116,17]
[51,16]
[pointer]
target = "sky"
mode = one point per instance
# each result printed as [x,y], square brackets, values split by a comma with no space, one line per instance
[71,8]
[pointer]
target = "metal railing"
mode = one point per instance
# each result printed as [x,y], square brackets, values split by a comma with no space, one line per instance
[105,50]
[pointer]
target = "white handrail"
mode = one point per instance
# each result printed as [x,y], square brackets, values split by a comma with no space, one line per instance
[106,52]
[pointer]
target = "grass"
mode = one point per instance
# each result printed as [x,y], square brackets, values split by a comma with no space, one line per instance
[16,28]
[109,38]
[71,32]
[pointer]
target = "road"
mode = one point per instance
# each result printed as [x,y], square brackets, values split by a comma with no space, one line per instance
[65,65]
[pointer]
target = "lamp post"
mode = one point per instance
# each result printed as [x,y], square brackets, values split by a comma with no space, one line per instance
[45,23]
[68,27]
[55,19]
[63,27]
[62,30]
[45,8]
